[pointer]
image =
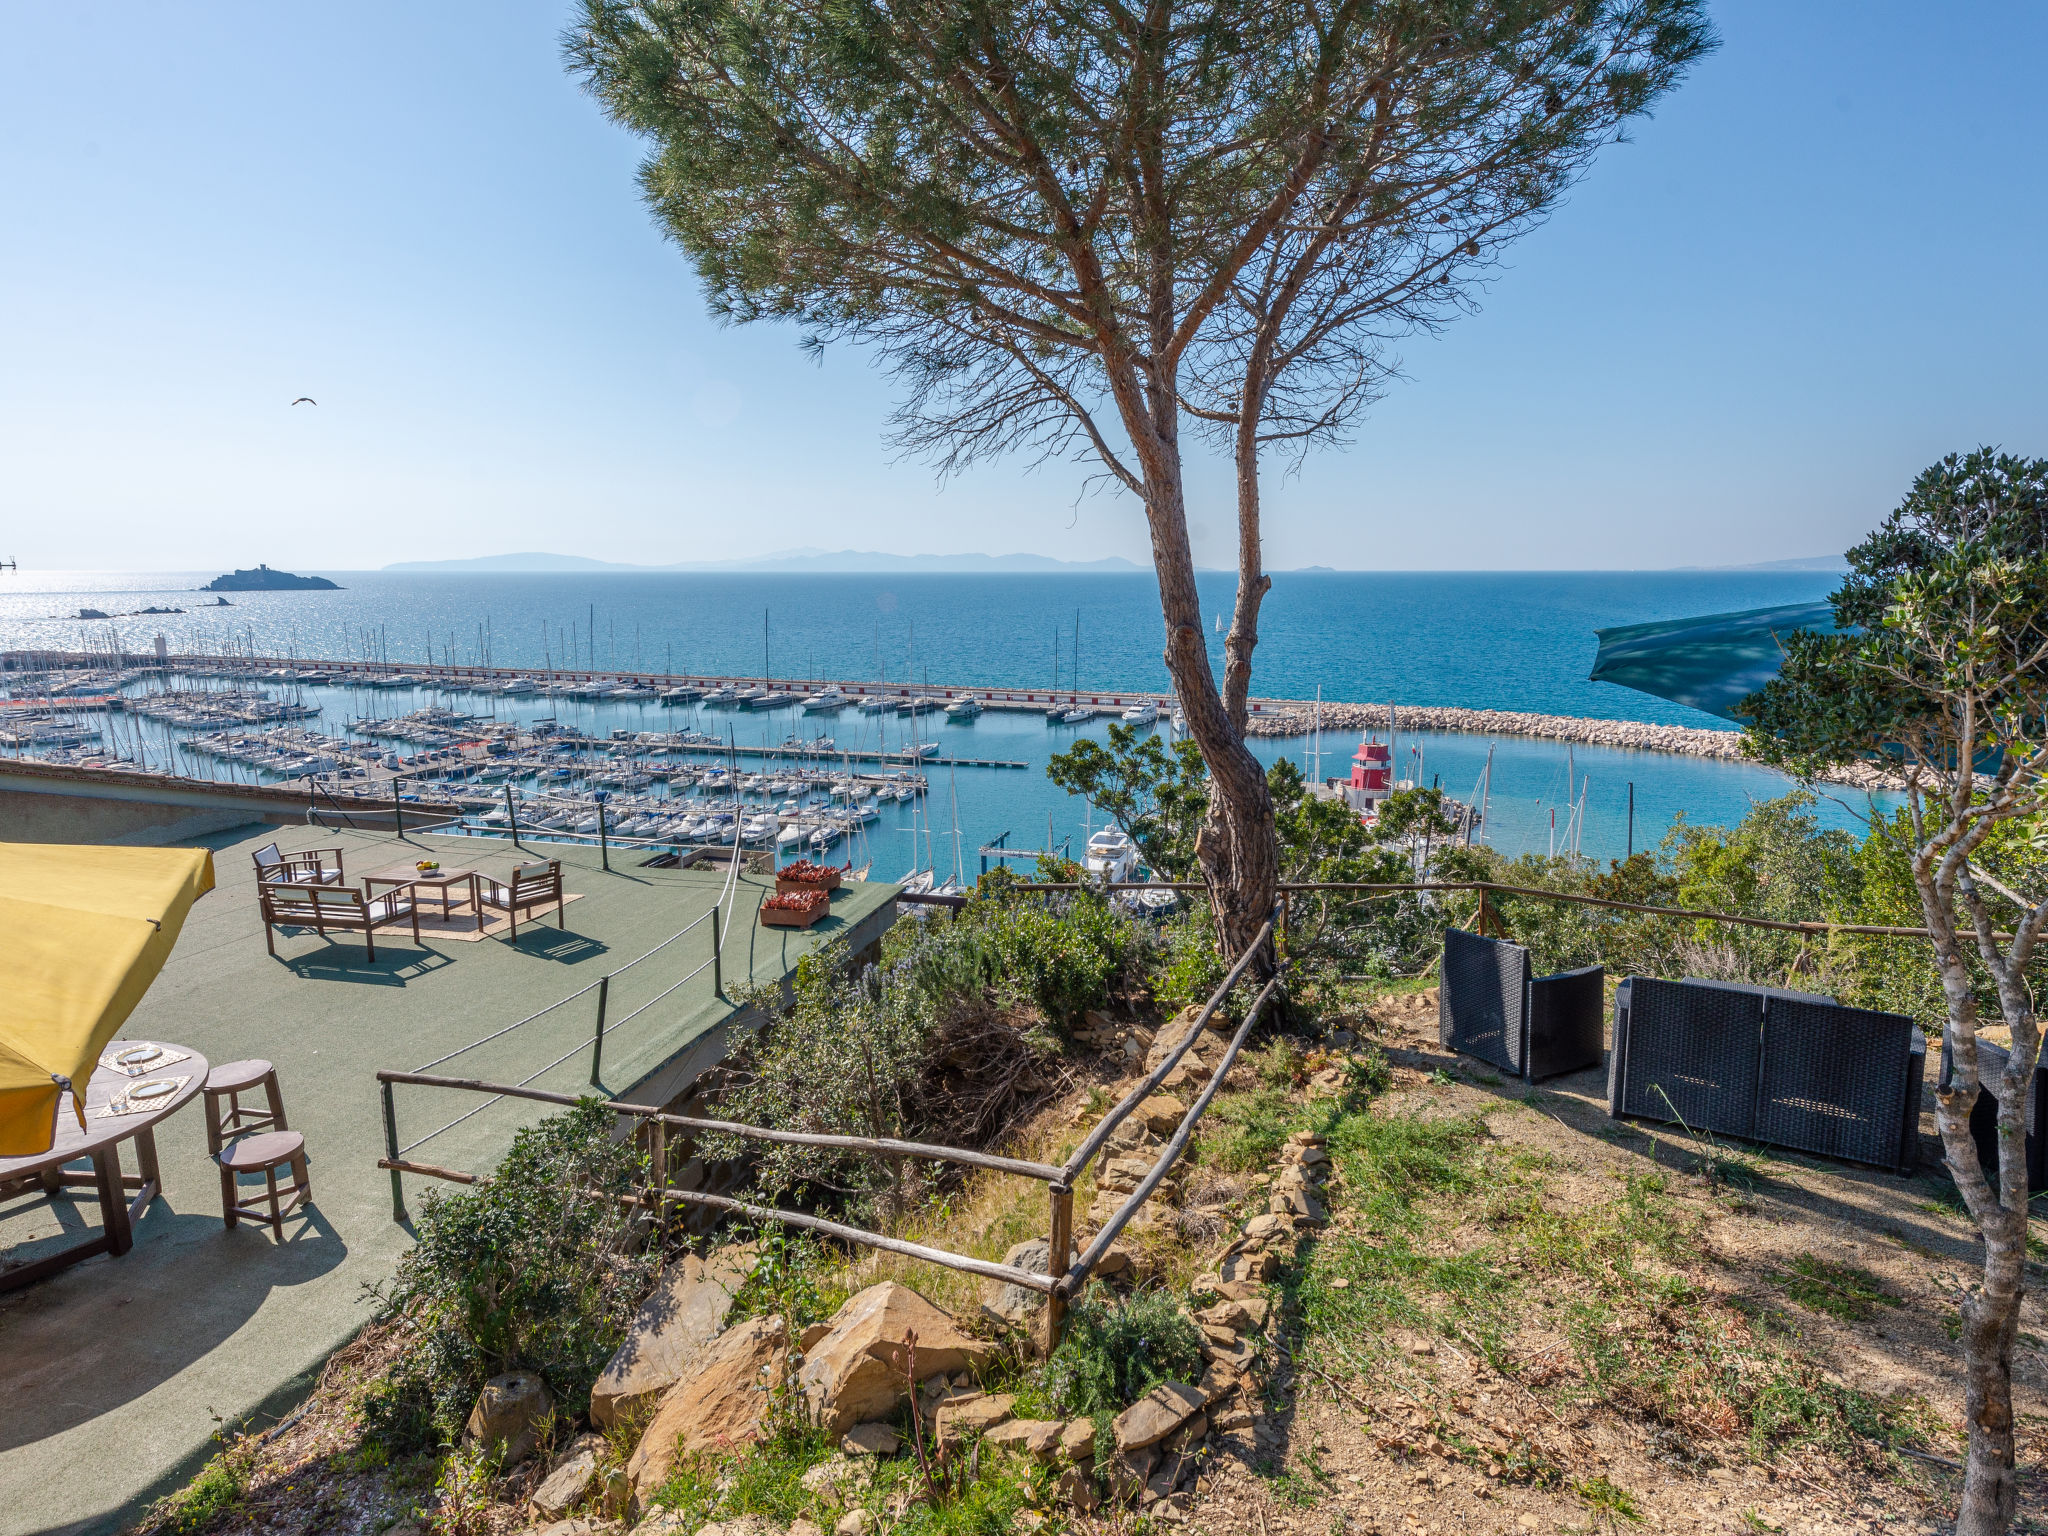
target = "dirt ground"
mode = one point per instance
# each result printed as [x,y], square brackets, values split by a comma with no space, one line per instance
[1358,1458]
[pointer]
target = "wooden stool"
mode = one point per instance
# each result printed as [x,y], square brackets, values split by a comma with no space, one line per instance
[230,1080]
[264,1153]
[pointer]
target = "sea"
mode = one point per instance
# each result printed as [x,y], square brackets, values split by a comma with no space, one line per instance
[1482,640]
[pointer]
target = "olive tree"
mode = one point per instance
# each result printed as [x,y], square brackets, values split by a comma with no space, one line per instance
[1942,665]
[1096,228]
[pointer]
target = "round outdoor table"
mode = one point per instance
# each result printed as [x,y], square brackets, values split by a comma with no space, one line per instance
[100,1140]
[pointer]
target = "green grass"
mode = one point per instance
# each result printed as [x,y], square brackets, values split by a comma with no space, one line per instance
[1603,1497]
[768,1480]
[210,1497]
[1840,1290]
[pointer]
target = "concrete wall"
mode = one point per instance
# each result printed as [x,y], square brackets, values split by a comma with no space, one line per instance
[40,803]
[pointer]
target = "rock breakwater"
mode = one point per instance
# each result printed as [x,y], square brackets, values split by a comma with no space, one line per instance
[1287,717]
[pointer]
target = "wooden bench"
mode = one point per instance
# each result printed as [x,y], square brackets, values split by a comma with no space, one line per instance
[530,886]
[338,907]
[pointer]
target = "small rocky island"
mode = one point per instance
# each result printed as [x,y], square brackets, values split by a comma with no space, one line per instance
[264,579]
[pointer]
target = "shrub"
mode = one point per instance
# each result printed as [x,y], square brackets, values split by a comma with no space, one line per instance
[1115,1351]
[524,1270]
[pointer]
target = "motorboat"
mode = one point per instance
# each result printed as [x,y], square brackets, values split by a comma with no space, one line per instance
[1141,714]
[1156,902]
[964,709]
[1077,716]
[520,685]
[725,695]
[1111,856]
[878,706]
[830,699]
[681,695]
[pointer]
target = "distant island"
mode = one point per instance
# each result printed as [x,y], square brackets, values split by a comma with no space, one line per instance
[264,579]
[841,562]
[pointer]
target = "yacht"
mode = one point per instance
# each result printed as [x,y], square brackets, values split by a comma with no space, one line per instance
[521,685]
[1156,902]
[830,699]
[1111,856]
[681,695]
[725,695]
[1141,714]
[964,709]
[878,706]
[1077,716]
[918,704]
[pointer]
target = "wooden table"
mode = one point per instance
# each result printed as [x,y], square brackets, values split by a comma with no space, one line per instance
[100,1140]
[438,880]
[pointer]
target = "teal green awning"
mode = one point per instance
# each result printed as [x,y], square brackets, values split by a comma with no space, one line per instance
[1712,662]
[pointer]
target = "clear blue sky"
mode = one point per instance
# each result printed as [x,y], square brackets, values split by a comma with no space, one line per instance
[1816,269]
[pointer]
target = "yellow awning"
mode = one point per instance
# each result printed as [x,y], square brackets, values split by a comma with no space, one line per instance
[83,932]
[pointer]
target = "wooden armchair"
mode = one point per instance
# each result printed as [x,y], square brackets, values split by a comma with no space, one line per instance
[530,886]
[338,907]
[311,866]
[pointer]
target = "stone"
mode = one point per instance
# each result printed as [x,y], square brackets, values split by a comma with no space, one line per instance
[857,1371]
[1015,1303]
[508,1413]
[662,1522]
[1229,1351]
[1036,1438]
[809,1338]
[1156,1415]
[1128,1472]
[971,1416]
[1131,1135]
[870,1439]
[1077,1441]
[1299,1204]
[574,1471]
[1307,1139]
[1294,1176]
[1257,1309]
[1305,1157]
[1215,1285]
[685,1312]
[1249,1268]
[1183,1440]
[1077,1488]
[717,1404]
[581,1528]
[1219,1380]
[855,1522]
[1115,1260]
[1231,1420]
[1162,1114]
[832,1481]
[1262,1227]
[802,1527]
[745,1525]
[1232,1315]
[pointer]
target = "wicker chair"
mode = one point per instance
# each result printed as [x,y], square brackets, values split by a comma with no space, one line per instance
[338,907]
[310,866]
[530,886]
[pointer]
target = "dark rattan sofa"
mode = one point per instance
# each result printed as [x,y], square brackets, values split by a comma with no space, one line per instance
[1984,1116]
[1790,1069]
[1489,1006]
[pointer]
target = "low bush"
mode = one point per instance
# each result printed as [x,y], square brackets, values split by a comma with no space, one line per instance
[524,1270]
[1116,1350]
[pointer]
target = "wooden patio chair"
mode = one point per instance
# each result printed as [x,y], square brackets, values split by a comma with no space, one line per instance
[530,886]
[338,907]
[311,866]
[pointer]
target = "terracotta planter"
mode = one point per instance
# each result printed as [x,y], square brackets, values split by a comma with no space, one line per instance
[827,881]
[796,916]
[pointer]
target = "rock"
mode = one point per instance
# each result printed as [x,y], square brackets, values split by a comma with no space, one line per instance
[1015,1303]
[1156,1415]
[508,1413]
[1249,1268]
[1229,1351]
[1036,1438]
[1232,1419]
[855,1522]
[1299,1204]
[1162,1114]
[1077,1488]
[870,1439]
[1116,1259]
[1128,1472]
[1183,1441]
[685,1312]
[574,1471]
[583,1528]
[802,1527]
[716,1405]
[1231,1290]
[1256,1310]
[745,1525]
[857,1371]
[1294,1176]
[810,1336]
[1077,1441]
[833,1480]
[1305,1157]
[1123,1174]
[1233,1315]
[1131,1136]
[971,1416]
[663,1522]
[1262,1227]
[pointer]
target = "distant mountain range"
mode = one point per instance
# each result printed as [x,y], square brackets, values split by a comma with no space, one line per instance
[784,561]
[1827,563]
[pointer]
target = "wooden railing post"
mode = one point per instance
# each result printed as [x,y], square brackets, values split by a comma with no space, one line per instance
[604,992]
[391,1152]
[657,1154]
[512,815]
[1056,1264]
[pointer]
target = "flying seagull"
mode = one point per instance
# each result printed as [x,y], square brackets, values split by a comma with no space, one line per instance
[305,400]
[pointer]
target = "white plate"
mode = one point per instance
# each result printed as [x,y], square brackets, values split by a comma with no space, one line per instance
[155,1089]
[135,1055]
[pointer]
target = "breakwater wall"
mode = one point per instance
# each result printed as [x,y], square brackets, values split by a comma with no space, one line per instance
[1293,718]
